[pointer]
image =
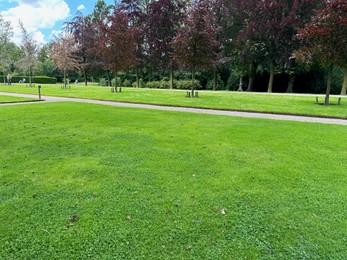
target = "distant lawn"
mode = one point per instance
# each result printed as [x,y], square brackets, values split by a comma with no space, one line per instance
[95,182]
[264,102]
[8,99]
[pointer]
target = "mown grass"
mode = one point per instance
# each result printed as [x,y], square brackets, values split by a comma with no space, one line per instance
[88,181]
[273,103]
[9,99]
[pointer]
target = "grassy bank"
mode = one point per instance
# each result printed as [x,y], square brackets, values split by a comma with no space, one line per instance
[87,181]
[273,103]
[9,99]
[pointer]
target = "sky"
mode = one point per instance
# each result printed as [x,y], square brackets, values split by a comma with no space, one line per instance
[43,18]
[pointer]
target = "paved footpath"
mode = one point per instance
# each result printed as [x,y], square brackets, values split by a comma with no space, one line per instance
[180,109]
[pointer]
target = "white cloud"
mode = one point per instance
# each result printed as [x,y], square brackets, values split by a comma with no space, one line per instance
[81,7]
[36,15]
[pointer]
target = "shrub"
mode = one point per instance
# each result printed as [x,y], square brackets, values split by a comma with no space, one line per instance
[179,84]
[34,79]
[127,83]
[186,84]
[119,82]
[102,82]
[220,83]
[142,84]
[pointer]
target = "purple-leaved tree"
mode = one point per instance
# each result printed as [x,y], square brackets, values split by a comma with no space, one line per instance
[196,45]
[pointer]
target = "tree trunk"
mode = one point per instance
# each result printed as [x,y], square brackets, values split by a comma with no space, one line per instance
[64,79]
[291,83]
[137,77]
[171,77]
[344,85]
[330,79]
[108,79]
[240,85]
[272,76]
[250,83]
[214,79]
[193,81]
[85,77]
[30,80]
[252,71]
[115,83]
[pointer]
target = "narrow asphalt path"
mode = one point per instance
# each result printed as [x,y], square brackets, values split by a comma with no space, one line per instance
[180,109]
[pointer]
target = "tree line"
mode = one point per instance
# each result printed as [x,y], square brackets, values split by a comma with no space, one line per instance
[248,37]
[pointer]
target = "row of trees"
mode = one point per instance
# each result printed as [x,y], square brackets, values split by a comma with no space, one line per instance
[276,36]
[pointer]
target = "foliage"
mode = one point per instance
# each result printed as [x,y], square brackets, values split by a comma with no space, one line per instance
[117,42]
[5,32]
[64,54]
[35,79]
[85,35]
[29,49]
[196,45]
[220,83]
[325,36]
[178,84]
[269,30]
[163,20]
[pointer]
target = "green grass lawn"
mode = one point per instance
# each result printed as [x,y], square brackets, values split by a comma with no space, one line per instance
[95,182]
[9,99]
[264,102]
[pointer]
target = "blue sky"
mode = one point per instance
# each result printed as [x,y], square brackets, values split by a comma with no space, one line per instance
[41,18]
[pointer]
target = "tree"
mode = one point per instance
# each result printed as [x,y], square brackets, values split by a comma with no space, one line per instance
[101,11]
[83,30]
[135,10]
[196,45]
[5,34]
[30,49]
[117,43]
[326,40]
[270,30]
[64,54]
[163,20]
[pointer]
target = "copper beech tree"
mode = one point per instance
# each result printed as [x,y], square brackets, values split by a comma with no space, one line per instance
[64,54]
[196,45]
[117,43]
[268,35]
[326,41]
[85,34]
[163,20]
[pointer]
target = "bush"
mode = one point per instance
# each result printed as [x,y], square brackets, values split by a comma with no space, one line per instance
[102,82]
[220,83]
[158,84]
[179,84]
[119,82]
[34,79]
[142,84]
[127,83]
[186,84]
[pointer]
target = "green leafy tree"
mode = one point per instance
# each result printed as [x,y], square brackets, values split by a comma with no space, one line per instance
[5,34]
[29,49]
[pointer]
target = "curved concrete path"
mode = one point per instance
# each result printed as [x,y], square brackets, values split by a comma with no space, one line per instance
[308,119]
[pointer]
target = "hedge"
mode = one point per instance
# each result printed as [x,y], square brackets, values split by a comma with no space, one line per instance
[34,79]
[178,84]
